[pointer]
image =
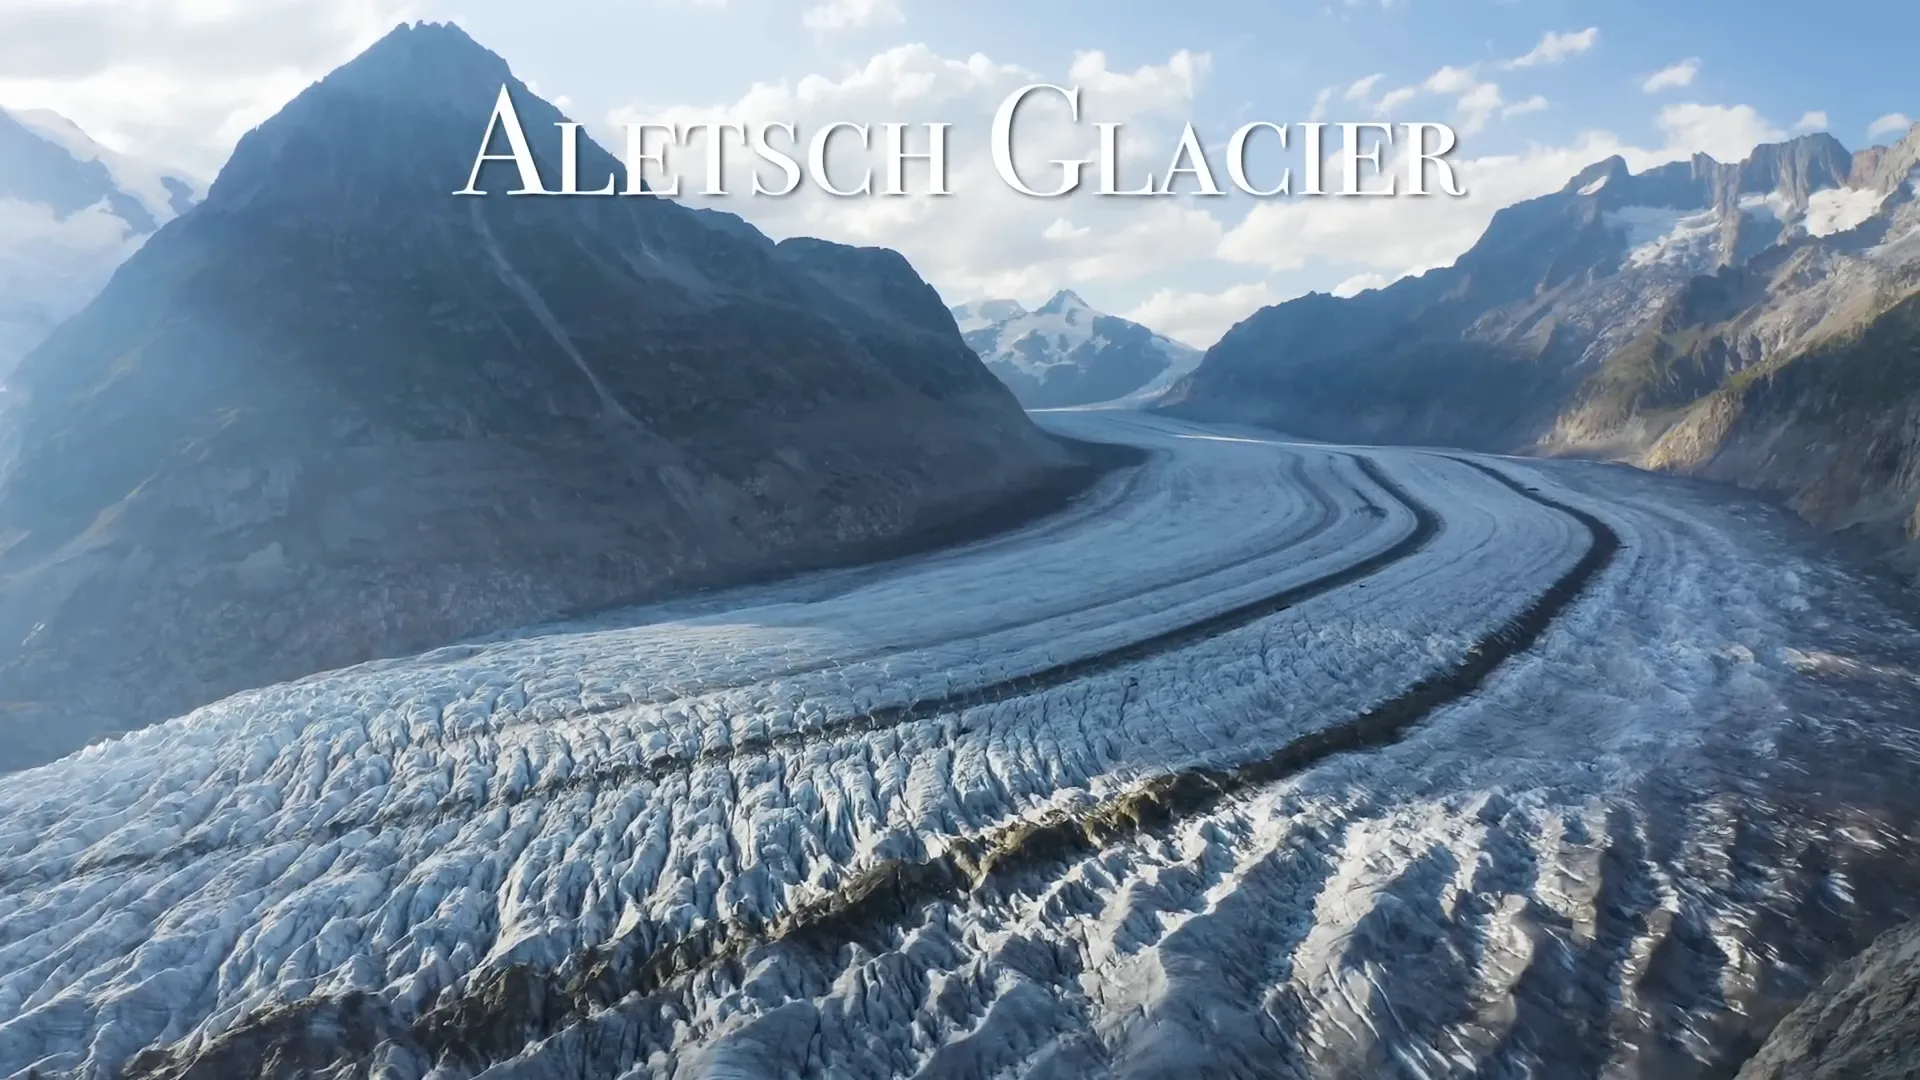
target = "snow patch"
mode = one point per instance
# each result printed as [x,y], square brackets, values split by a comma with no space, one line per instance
[1838,210]
[1664,236]
[1775,204]
[1594,188]
[145,184]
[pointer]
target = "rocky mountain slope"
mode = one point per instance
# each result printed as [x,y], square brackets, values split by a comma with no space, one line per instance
[1862,1023]
[1067,353]
[70,211]
[335,412]
[1751,322]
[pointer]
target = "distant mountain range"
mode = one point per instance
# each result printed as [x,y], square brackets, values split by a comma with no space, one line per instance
[1755,322]
[70,211]
[1066,353]
[337,413]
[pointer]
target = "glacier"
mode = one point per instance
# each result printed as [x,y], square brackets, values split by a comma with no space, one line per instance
[1107,795]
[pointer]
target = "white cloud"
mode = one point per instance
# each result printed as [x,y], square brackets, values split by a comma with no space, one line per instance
[1890,124]
[1393,99]
[1361,92]
[1811,121]
[1674,77]
[1062,229]
[984,239]
[1534,104]
[1725,132]
[1320,102]
[1372,239]
[1554,48]
[1360,283]
[1361,88]
[1399,236]
[1477,106]
[1199,318]
[1450,80]
[852,14]
[177,81]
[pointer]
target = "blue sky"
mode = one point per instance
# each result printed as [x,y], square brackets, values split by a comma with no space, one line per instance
[1270,57]
[179,80]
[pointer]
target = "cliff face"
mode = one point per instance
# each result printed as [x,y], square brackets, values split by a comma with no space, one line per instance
[335,412]
[1862,1023]
[1835,428]
[1750,322]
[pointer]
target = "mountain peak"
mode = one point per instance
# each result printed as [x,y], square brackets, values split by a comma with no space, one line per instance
[1066,352]
[424,61]
[1590,180]
[1063,301]
[404,115]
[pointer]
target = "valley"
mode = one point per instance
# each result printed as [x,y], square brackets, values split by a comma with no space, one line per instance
[1262,758]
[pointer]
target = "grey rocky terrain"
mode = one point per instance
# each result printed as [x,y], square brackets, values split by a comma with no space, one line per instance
[1751,322]
[1067,353]
[335,413]
[1863,1023]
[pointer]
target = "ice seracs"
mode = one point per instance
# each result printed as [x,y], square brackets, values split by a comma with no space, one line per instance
[513,857]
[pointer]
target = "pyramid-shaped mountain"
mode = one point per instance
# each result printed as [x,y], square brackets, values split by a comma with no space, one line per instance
[1066,353]
[336,412]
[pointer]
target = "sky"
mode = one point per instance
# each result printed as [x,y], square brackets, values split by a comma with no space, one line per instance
[1536,89]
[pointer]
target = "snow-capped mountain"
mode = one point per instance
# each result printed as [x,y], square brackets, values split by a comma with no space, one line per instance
[1067,353]
[1751,321]
[70,211]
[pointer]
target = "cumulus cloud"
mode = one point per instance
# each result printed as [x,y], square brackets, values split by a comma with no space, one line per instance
[1674,77]
[1890,124]
[1555,47]
[852,14]
[984,239]
[1811,121]
[1725,132]
[1379,240]
[1400,236]
[177,81]
[1200,318]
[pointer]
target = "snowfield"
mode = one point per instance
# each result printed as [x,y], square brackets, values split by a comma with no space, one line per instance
[1263,759]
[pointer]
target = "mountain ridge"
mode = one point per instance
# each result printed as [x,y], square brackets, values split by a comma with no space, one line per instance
[1067,353]
[70,212]
[336,412]
[1631,316]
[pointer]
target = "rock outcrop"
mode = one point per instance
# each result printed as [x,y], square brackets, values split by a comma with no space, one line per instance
[1862,1023]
